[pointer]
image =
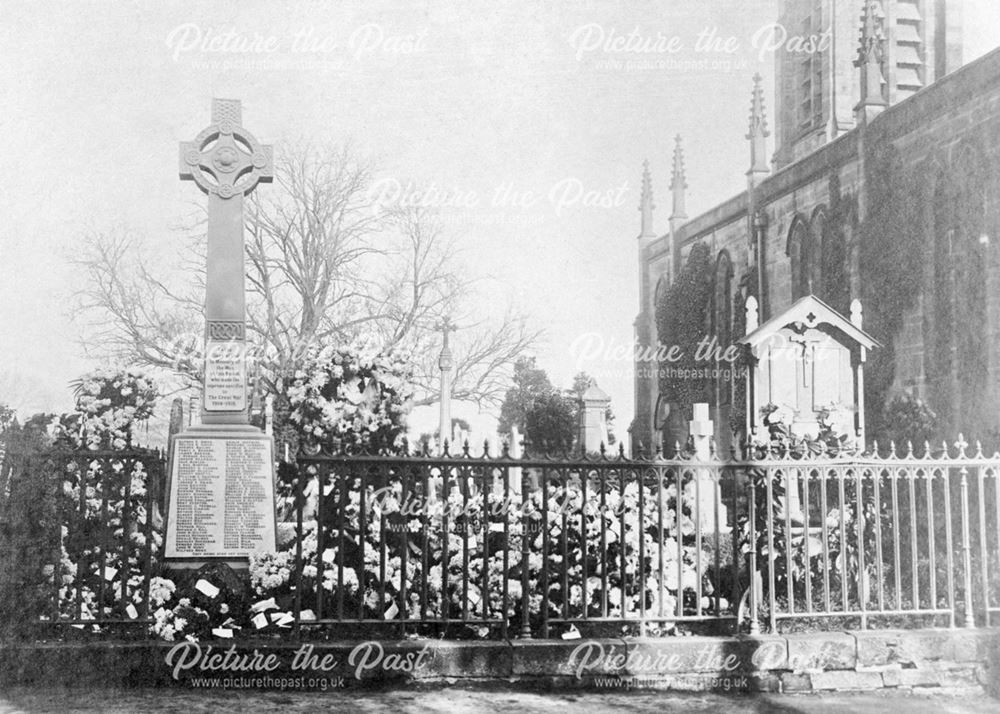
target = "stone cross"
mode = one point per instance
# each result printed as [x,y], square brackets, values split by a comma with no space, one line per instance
[226,162]
[445,363]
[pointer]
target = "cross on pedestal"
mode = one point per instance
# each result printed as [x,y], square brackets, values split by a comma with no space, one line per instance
[226,162]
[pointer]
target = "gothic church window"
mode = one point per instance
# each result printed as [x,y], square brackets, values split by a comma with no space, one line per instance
[801,251]
[810,73]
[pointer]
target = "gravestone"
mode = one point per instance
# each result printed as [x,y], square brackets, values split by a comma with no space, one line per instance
[221,490]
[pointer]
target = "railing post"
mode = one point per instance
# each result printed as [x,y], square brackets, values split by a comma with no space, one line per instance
[525,632]
[754,595]
[969,620]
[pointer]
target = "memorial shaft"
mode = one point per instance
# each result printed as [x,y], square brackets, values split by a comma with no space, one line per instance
[226,162]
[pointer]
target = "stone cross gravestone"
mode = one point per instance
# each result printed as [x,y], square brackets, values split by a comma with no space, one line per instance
[221,491]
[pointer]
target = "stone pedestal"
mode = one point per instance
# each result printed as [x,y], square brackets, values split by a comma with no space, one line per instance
[593,425]
[220,496]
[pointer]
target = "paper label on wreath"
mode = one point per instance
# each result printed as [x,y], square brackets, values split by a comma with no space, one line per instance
[206,588]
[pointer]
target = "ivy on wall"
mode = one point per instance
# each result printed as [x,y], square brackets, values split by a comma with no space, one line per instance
[682,318]
[891,258]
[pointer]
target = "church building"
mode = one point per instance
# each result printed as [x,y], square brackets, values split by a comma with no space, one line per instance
[881,195]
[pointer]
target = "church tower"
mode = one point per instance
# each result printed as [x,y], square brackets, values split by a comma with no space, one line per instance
[818,84]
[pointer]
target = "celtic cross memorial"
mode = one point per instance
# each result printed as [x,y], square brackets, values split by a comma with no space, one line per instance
[221,490]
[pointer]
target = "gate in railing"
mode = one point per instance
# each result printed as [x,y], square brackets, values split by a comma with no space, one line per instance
[461,545]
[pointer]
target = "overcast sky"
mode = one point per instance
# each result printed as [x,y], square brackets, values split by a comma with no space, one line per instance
[486,100]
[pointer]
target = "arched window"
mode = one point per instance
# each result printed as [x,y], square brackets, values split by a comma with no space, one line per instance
[801,253]
[661,288]
[835,257]
[813,265]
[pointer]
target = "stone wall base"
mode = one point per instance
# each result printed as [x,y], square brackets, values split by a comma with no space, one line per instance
[960,661]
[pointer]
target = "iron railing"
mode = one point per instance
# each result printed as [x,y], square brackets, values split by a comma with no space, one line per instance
[465,546]
[437,544]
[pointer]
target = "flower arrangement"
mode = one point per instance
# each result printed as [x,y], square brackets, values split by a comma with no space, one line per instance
[462,552]
[110,402]
[354,399]
[104,500]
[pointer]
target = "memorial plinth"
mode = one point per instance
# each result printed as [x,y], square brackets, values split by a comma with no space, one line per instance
[221,498]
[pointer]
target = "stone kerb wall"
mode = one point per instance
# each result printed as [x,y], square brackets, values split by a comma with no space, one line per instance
[957,661]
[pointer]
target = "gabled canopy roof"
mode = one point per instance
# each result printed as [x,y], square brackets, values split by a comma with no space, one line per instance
[811,312]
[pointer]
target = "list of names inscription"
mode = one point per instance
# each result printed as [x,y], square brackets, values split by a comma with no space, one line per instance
[221,498]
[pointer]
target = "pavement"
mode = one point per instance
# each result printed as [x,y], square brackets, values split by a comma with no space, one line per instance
[468,699]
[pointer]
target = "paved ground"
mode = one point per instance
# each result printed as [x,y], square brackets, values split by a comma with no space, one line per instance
[454,699]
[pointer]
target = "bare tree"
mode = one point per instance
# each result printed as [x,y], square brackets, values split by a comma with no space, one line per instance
[326,264]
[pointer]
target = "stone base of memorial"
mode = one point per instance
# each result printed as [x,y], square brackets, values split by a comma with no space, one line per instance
[220,504]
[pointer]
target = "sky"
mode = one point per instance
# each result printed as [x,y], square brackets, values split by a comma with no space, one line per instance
[536,117]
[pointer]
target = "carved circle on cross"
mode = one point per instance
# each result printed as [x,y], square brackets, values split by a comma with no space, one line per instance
[225,160]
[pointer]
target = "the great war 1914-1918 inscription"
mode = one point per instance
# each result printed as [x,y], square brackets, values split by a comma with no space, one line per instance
[225,377]
[221,492]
